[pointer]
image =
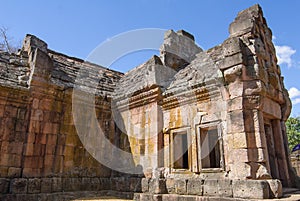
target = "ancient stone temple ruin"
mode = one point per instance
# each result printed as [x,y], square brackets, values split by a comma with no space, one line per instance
[189,123]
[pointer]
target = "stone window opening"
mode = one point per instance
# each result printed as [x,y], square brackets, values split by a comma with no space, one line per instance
[180,150]
[210,148]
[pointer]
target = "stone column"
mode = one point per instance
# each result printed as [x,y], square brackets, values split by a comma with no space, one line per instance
[280,153]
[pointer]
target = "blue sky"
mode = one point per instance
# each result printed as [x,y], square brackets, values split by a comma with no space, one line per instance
[77,27]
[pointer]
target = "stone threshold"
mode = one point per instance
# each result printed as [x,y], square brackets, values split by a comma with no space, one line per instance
[289,195]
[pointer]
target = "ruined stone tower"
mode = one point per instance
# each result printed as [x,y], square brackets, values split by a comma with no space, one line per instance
[195,122]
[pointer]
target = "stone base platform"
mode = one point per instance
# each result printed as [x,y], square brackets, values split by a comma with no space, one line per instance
[199,189]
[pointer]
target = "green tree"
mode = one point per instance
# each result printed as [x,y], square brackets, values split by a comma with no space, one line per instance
[293,131]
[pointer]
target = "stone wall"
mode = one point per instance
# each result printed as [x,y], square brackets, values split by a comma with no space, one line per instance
[40,149]
[191,122]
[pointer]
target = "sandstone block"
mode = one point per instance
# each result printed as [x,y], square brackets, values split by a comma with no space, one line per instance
[56,184]
[235,122]
[195,187]
[31,172]
[10,160]
[180,186]
[241,27]
[41,138]
[14,172]
[210,187]
[232,60]
[252,189]
[95,184]
[145,185]
[232,46]
[51,139]
[37,115]
[34,185]
[10,111]
[135,185]
[170,185]
[157,186]
[4,185]
[275,188]
[46,185]
[19,186]
[3,172]
[225,188]
[33,162]
[105,183]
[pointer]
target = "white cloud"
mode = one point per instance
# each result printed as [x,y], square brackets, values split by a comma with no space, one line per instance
[294,92]
[294,95]
[284,54]
[295,101]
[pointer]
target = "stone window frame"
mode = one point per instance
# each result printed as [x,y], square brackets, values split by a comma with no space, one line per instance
[187,130]
[218,125]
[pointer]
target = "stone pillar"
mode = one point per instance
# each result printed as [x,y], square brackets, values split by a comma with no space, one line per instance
[280,153]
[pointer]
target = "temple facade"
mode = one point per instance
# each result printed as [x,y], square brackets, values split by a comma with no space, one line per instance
[188,122]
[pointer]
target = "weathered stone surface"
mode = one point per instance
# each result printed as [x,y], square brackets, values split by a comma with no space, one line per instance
[34,185]
[275,188]
[56,184]
[253,189]
[163,112]
[46,185]
[157,186]
[195,187]
[145,185]
[19,186]
[4,186]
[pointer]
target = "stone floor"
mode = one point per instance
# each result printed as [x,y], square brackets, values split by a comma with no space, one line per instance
[289,195]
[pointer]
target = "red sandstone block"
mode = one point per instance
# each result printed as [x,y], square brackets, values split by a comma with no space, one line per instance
[50,128]
[10,160]
[34,150]
[34,126]
[31,138]
[69,161]
[47,128]
[68,118]
[35,162]
[14,172]
[22,113]
[10,111]
[35,103]
[37,115]
[60,150]
[19,137]
[50,149]
[21,125]
[68,151]
[2,110]
[3,171]
[49,160]
[68,129]
[51,116]
[16,148]
[61,139]
[41,138]
[58,166]
[4,147]
[52,139]
[31,172]
[29,149]
[46,104]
